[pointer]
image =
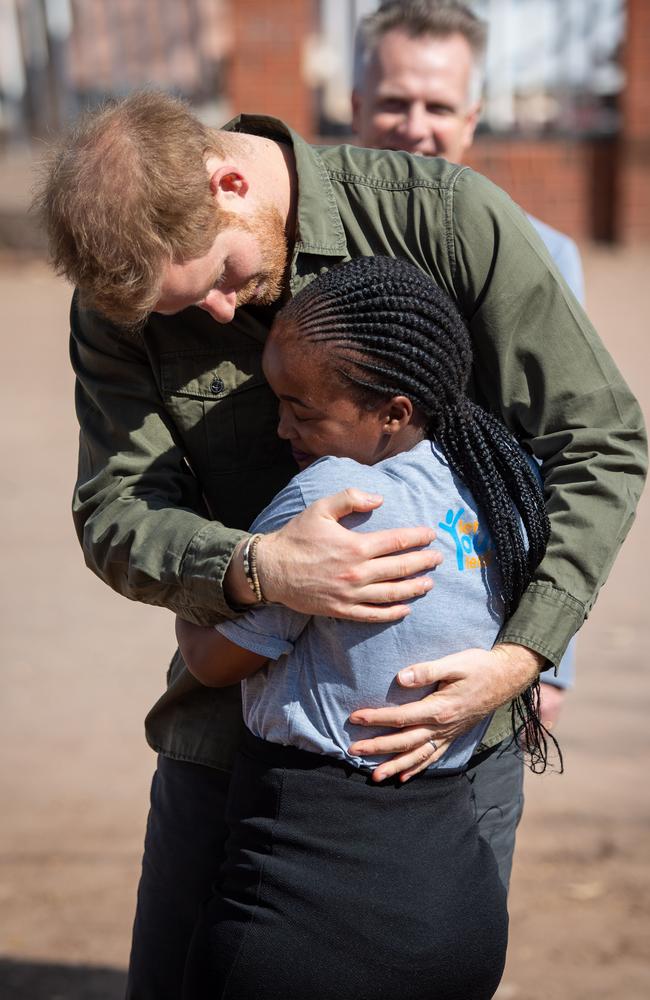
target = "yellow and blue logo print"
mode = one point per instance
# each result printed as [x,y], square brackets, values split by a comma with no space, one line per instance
[472,543]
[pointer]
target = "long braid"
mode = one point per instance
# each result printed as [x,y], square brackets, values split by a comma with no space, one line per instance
[392,332]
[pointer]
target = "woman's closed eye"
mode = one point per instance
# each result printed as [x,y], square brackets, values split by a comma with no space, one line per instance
[299,412]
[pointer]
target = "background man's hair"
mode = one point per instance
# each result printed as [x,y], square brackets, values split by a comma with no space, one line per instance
[438,18]
[123,194]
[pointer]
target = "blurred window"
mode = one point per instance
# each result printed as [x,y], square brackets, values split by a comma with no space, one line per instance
[57,56]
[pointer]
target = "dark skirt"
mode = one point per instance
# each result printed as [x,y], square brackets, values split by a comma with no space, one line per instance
[336,888]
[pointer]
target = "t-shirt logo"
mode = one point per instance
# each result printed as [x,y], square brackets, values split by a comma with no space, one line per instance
[473,543]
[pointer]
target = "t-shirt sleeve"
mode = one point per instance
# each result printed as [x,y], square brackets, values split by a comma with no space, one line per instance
[271,629]
[286,504]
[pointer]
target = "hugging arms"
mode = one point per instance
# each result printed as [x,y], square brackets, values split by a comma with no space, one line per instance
[143,514]
[178,447]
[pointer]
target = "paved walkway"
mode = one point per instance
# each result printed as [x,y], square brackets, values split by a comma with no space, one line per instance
[18,229]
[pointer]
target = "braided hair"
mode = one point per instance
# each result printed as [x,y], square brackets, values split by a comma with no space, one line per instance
[391,331]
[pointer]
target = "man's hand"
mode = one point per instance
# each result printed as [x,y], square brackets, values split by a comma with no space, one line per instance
[316,566]
[469,685]
[551,703]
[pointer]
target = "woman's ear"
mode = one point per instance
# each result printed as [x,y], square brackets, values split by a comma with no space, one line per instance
[397,414]
[226,180]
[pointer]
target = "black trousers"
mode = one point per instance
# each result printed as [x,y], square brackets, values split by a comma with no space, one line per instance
[338,888]
[183,853]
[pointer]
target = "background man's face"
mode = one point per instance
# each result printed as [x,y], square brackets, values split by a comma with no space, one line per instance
[414,96]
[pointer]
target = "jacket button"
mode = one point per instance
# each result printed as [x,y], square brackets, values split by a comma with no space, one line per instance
[216,386]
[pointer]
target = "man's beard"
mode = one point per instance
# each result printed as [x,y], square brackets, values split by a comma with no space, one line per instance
[267,285]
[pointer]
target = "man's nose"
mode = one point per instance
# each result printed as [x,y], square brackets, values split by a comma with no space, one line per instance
[220,305]
[415,123]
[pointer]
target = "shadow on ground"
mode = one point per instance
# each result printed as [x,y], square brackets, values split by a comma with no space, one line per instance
[44,981]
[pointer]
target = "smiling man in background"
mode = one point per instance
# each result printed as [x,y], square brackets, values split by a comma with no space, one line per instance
[418,82]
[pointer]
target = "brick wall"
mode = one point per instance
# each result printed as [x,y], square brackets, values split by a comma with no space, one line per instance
[634,165]
[266,66]
[590,190]
[569,185]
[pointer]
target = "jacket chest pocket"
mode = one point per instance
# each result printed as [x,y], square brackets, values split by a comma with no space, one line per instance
[224,410]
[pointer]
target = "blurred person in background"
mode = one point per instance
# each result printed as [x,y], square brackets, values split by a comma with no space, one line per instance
[418,84]
[166,226]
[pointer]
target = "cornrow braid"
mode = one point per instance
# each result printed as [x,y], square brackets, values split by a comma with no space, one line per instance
[391,331]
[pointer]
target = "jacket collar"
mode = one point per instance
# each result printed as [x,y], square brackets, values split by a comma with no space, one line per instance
[318,223]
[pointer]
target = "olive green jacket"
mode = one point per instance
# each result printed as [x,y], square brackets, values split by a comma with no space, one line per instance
[178,450]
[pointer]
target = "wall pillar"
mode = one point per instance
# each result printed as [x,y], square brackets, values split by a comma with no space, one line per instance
[266,65]
[634,159]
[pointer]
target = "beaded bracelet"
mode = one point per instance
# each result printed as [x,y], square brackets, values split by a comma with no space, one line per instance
[249,556]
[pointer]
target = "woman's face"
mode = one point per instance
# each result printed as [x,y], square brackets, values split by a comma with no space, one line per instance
[316,417]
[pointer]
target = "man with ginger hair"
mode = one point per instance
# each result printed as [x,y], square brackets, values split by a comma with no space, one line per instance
[418,80]
[167,227]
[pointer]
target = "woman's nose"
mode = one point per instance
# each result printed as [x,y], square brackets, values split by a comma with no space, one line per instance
[285,426]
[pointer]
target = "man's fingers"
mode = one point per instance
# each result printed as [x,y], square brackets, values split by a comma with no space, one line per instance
[410,772]
[409,764]
[347,501]
[397,567]
[393,743]
[374,613]
[447,668]
[394,591]
[416,713]
[386,543]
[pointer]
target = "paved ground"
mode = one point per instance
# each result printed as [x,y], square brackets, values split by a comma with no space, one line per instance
[81,666]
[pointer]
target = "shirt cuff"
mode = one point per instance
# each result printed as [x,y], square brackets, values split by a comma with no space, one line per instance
[545,620]
[204,566]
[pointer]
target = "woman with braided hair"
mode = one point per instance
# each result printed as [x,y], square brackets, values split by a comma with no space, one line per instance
[338,885]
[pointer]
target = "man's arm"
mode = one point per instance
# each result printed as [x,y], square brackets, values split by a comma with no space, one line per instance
[566,258]
[540,365]
[141,518]
[138,509]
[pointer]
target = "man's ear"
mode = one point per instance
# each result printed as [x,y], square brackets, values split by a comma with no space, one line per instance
[226,179]
[396,414]
[471,121]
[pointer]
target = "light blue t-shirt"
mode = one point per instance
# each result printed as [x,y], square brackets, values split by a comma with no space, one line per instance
[324,668]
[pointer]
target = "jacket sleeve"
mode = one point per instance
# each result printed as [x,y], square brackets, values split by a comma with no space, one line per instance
[138,509]
[540,365]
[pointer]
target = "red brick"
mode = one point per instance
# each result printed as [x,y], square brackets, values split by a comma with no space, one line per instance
[266,73]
